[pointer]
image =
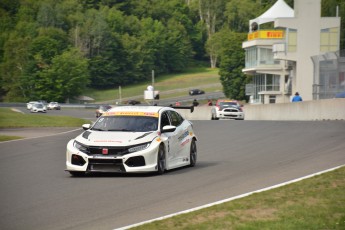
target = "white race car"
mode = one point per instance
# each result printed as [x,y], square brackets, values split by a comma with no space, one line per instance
[38,108]
[133,139]
[227,109]
[29,104]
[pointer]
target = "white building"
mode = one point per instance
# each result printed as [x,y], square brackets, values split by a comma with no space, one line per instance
[280,46]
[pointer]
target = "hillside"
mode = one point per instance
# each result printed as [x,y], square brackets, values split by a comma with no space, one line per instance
[169,86]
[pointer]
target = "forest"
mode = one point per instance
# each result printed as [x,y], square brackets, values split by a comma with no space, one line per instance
[55,49]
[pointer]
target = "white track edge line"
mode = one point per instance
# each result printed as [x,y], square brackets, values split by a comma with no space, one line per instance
[230,199]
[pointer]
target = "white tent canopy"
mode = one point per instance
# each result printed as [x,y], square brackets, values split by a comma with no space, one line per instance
[279,10]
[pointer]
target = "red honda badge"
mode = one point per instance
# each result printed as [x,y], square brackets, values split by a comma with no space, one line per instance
[105,151]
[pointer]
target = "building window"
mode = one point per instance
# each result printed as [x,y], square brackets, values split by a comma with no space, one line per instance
[272,99]
[256,56]
[266,56]
[251,57]
[292,40]
[264,82]
[329,39]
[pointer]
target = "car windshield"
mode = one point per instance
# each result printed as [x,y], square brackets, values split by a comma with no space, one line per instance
[227,104]
[126,123]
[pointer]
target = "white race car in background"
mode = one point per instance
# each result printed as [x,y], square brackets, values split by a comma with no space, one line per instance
[132,139]
[29,104]
[38,108]
[227,109]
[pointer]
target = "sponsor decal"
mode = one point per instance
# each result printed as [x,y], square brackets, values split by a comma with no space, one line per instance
[185,142]
[130,113]
[266,34]
[103,157]
[183,136]
[107,141]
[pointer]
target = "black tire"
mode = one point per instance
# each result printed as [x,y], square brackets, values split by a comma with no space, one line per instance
[193,155]
[215,118]
[77,173]
[161,160]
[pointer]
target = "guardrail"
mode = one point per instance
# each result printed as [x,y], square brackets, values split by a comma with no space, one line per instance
[327,109]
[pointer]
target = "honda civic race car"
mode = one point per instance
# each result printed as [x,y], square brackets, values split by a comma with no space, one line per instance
[133,139]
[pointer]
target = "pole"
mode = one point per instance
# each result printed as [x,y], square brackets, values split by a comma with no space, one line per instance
[153,85]
[153,79]
[120,95]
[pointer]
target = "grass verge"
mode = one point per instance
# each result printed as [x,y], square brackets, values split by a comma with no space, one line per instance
[11,119]
[314,203]
[9,138]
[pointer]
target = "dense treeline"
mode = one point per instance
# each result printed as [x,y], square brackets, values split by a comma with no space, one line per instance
[53,50]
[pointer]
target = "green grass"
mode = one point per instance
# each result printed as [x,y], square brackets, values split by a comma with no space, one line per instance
[201,77]
[314,203]
[12,119]
[9,138]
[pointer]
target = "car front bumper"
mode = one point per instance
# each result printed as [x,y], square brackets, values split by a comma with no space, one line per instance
[231,115]
[141,161]
[38,111]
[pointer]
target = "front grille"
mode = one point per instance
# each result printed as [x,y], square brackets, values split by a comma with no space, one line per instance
[104,161]
[105,165]
[231,110]
[112,151]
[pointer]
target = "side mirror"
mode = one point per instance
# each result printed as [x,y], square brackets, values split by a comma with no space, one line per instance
[86,126]
[168,129]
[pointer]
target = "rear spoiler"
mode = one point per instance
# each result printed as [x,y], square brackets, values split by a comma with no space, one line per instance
[184,107]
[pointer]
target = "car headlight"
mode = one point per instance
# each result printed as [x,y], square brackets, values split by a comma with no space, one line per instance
[139,147]
[80,147]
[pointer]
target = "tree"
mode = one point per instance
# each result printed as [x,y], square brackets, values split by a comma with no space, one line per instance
[46,16]
[239,12]
[211,15]
[65,79]
[231,64]
[13,67]
[178,48]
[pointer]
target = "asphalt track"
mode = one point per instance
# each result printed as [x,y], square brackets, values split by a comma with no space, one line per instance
[235,157]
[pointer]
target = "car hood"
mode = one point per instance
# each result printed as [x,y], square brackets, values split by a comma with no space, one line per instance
[113,138]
